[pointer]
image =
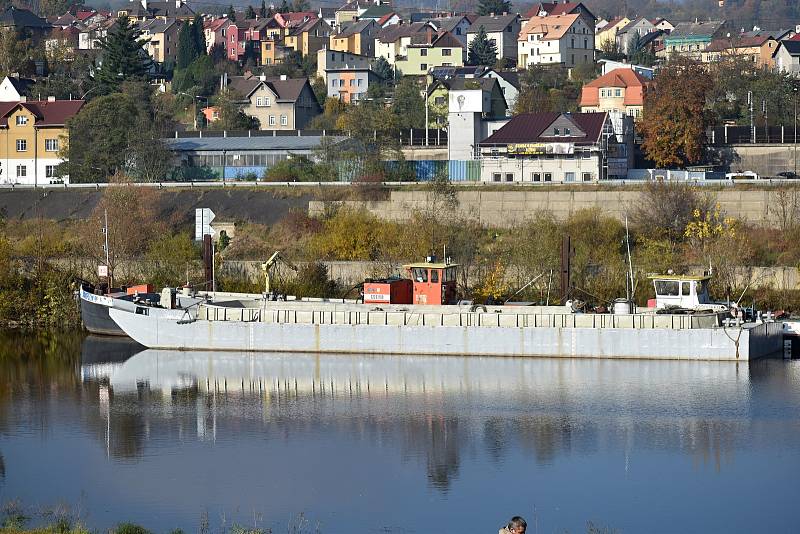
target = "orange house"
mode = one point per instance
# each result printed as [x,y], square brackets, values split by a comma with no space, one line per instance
[620,90]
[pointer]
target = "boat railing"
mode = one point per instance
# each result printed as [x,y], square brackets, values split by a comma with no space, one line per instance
[462,318]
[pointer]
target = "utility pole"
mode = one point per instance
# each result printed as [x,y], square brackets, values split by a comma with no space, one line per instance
[794,90]
[752,125]
[766,120]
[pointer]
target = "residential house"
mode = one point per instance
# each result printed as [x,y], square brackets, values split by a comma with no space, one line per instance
[139,10]
[31,134]
[14,88]
[350,84]
[61,44]
[273,51]
[508,82]
[328,14]
[349,12]
[392,42]
[786,57]
[376,12]
[244,38]
[428,50]
[663,24]
[23,20]
[278,103]
[91,36]
[502,29]
[457,25]
[607,65]
[561,39]
[389,19]
[606,37]
[356,37]
[162,39]
[631,34]
[308,37]
[333,60]
[691,38]
[621,90]
[440,91]
[756,48]
[549,9]
[551,148]
[214,31]
[294,18]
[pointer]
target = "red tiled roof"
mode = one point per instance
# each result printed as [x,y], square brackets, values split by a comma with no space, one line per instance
[47,113]
[743,41]
[529,127]
[633,82]
[384,19]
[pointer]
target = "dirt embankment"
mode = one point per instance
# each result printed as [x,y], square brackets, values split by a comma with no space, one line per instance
[257,206]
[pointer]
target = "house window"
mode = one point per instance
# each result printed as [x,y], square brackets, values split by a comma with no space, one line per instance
[548,177]
[602,93]
[272,120]
[333,57]
[509,177]
[496,177]
[22,171]
[22,120]
[284,120]
[333,83]
[341,83]
[567,131]
[358,82]
[50,171]
[423,66]
[586,43]
[51,145]
[352,82]
[536,177]
[267,46]
[587,177]
[617,92]
[22,145]
[572,44]
[439,101]
[423,52]
[446,51]
[458,32]
[569,176]
[556,131]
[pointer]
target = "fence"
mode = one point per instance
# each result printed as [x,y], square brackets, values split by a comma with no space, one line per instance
[409,137]
[742,135]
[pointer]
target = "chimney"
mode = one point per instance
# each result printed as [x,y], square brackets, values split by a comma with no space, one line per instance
[178,4]
[283,77]
[430,34]
[262,77]
[491,14]
[51,99]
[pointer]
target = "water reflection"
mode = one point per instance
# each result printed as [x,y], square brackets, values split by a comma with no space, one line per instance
[444,418]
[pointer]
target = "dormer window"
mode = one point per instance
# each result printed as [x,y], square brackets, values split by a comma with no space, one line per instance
[567,131]
[556,131]
[22,120]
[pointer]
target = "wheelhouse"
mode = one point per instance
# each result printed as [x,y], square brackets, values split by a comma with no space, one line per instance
[681,290]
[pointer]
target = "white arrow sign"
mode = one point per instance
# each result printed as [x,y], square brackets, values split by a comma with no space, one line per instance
[202,223]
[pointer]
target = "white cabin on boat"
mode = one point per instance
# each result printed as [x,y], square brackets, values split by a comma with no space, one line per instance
[682,291]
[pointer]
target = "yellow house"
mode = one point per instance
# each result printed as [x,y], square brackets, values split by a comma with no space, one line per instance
[31,135]
[356,38]
[428,50]
[308,37]
[607,36]
[273,51]
[755,48]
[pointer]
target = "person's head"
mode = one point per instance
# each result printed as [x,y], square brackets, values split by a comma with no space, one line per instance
[517,525]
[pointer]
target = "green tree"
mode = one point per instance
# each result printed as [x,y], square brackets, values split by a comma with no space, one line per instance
[675,119]
[320,89]
[231,117]
[15,52]
[98,138]
[408,105]
[482,51]
[498,7]
[284,7]
[199,35]
[263,13]
[383,69]
[123,56]
[231,13]
[187,48]
[300,5]
[249,13]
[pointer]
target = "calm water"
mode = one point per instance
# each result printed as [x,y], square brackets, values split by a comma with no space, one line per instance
[397,444]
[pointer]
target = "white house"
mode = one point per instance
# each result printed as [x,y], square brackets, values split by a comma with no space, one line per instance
[787,57]
[561,39]
[502,29]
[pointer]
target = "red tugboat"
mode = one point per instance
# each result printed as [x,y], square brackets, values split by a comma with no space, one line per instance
[431,282]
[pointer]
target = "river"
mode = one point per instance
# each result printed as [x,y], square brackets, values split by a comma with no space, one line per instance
[351,444]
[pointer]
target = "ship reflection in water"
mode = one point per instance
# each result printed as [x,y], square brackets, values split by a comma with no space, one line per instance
[377,443]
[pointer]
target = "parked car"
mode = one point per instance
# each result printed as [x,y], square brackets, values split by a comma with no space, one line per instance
[789,175]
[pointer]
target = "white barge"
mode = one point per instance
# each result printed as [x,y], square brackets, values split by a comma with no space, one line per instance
[684,324]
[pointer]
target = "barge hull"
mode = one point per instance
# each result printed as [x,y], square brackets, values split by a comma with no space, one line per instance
[652,343]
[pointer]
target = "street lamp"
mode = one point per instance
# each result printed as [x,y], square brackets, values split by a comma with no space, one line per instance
[794,90]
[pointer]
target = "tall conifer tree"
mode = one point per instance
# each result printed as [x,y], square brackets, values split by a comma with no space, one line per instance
[123,56]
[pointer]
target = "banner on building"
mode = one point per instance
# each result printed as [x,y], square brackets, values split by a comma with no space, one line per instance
[532,149]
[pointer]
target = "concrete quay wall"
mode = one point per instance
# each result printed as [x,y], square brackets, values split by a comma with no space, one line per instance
[504,209]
